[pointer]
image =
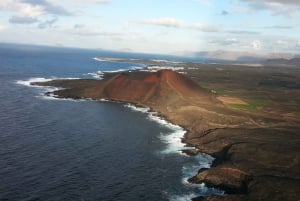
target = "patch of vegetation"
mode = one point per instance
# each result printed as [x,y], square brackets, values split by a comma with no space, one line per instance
[253,105]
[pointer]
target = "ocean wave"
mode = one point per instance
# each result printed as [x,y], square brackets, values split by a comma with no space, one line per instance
[97,59]
[202,190]
[187,197]
[138,109]
[96,75]
[174,144]
[173,140]
[199,161]
[31,80]
[45,89]
[40,79]
[99,74]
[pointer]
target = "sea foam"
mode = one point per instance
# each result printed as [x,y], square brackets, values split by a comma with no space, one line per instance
[45,89]
[174,144]
[31,80]
[172,139]
[99,74]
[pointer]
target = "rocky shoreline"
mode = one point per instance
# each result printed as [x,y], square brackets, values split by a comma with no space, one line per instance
[257,158]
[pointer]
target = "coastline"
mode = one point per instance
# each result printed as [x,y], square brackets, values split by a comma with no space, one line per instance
[236,169]
[152,115]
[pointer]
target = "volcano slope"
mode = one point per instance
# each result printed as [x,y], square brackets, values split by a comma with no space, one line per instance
[257,158]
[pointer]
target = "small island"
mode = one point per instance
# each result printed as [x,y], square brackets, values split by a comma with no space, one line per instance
[237,114]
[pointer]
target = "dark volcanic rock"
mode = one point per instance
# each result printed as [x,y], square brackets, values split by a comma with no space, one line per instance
[221,198]
[230,179]
[190,152]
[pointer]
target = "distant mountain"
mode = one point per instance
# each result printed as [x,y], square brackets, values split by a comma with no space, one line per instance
[242,56]
[280,61]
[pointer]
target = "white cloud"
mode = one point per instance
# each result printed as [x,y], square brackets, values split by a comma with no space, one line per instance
[87,32]
[99,1]
[204,27]
[281,42]
[177,23]
[225,42]
[165,21]
[256,45]
[22,9]
[278,27]
[89,1]
[2,28]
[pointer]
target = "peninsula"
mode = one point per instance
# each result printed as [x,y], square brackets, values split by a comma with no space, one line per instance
[256,148]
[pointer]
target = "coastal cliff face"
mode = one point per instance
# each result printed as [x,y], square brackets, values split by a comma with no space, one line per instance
[250,150]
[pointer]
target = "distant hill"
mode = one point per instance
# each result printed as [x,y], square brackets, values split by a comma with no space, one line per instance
[287,62]
[243,56]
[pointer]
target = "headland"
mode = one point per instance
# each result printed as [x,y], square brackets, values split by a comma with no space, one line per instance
[247,117]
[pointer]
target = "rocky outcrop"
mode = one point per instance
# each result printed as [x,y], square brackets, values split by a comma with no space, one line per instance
[228,178]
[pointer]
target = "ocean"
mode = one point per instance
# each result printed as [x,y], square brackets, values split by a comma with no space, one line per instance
[57,149]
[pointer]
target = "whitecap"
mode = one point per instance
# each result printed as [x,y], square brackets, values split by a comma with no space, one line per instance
[187,197]
[96,75]
[98,59]
[172,139]
[45,89]
[40,79]
[200,190]
[31,80]
[200,161]
[138,109]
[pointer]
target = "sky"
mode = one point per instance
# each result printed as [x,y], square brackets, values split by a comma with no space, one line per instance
[155,26]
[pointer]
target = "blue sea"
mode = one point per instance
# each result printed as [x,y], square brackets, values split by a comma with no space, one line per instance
[53,149]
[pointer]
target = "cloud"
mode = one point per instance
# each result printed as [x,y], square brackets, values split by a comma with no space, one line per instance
[47,23]
[89,1]
[22,20]
[21,9]
[204,27]
[291,2]
[256,45]
[224,12]
[79,26]
[176,23]
[287,8]
[165,22]
[278,27]
[244,32]
[281,42]
[2,28]
[226,42]
[32,11]
[91,32]
[48,7]
[100,1]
